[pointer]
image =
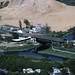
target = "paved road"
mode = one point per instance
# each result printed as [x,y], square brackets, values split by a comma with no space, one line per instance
[63,50]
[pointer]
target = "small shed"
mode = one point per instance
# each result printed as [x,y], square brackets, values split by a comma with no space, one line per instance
[56,71]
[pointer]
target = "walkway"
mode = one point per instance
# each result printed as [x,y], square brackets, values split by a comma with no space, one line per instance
[63,50]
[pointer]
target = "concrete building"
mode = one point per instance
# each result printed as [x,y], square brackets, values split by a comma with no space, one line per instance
[38,27]
[56,71]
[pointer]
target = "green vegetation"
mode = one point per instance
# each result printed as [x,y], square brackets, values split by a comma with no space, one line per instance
[15,63]
[25,47]
[4,4]
[33,57]
[68,2]
[43,72]
[8,39]
[60,34]
[0,18]
[72,66]
[64,72]
[28,25]
[58,53]
[1,5]
[72,30]
[20,24]
[1,38]
[15,36]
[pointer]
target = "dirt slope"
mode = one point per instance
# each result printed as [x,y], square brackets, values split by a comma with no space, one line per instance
[57,15]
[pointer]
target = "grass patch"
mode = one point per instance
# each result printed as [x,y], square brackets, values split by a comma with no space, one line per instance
[25,47]
[36,58]
[33,57]
[58,53]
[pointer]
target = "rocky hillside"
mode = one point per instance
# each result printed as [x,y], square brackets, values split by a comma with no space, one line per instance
[58,15]
[33,6]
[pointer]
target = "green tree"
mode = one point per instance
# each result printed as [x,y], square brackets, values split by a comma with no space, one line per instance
[0,18]
[1,73]
[59,34]
[15,35]
[53,33]
[1,38]
[6,4]
[31,26]
[20,24]
[65,63]
[27,23]
[64,72]
[71,30]
[8,39]
[72,65]
[2,4]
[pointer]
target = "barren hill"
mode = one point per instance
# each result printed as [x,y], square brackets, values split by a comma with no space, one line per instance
[57,15]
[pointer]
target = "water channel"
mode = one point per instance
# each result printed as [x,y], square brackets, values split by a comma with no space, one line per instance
[53,57]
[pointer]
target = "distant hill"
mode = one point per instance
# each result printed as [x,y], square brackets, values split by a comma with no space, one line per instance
[57,15]
[68,2]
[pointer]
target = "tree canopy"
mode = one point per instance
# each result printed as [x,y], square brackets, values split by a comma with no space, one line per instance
[72,65]
[2,4]
[20,24]
[27,23]
[68,2]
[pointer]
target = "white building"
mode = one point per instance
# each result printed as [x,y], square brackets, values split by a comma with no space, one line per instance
[38,27]
[38,70]
[30,70]
[56,71]
[24,70]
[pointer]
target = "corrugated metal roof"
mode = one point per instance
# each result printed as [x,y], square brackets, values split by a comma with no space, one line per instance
[50,38]
[69,37]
